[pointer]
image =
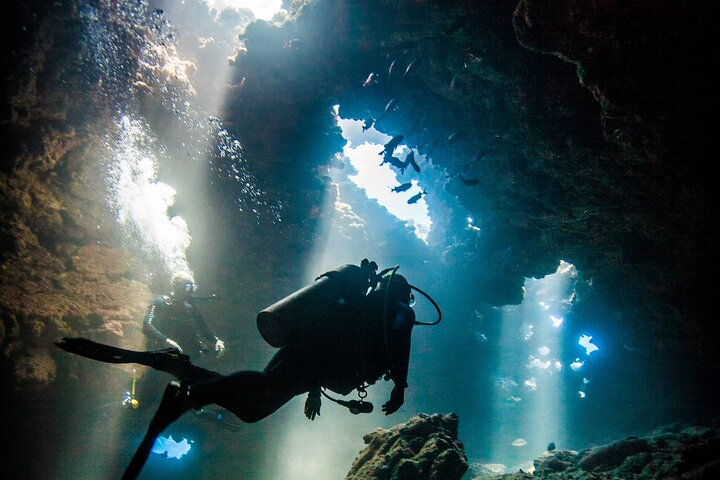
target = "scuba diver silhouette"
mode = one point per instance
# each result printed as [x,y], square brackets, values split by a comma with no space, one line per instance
[341,333]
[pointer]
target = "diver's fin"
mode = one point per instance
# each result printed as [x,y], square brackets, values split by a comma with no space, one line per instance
[175,402]
[109,354]
[169,360]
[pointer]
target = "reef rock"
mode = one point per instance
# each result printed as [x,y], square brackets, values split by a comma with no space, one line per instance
[426,447]
[670,453]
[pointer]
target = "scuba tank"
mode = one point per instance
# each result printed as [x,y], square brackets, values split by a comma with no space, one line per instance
[317,311]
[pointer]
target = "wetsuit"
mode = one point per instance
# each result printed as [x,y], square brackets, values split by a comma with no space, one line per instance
[181,321]
[298,369]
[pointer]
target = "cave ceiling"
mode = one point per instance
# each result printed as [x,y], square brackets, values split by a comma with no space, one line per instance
[584,123]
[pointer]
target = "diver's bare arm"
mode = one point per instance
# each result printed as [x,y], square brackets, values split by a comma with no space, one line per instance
[399,337]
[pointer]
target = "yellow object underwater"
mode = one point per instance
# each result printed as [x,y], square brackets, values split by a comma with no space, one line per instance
[130,398]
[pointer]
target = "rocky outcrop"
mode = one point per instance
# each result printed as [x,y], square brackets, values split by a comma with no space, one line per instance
[66,267]
[673,452]
[425,447]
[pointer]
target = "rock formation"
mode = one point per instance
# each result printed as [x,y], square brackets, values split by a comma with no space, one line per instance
[672,452]
[425,447]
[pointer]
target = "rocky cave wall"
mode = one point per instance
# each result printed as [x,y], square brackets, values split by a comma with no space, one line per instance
[64,272]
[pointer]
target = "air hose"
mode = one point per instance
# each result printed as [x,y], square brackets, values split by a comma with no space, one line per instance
[387,295]
[434,305]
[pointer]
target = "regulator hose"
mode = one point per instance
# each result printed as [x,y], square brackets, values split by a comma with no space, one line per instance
[434,305]
[355,406]
[387,295]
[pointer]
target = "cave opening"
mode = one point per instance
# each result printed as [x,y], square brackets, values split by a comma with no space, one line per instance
[392,187]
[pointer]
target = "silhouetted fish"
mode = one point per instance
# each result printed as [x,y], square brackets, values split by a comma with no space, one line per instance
[416,197]
[394,161]
[551,446]
[391,145]
[402,188]
[470,182]
[410,160]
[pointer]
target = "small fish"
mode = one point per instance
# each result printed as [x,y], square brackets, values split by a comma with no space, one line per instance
[370,80]
[416,197]
[410,160]
[367,123]
[470,182]
[402,188]
[394,161]
[519,442]
[409,67]
[392,144]
[454,137]
[391,105]
[390,69]
[294,43]
[551,446]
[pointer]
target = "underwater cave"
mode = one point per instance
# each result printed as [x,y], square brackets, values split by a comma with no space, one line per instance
[540,172]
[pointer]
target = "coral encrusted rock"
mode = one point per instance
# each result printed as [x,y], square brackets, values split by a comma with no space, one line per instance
[426,447]
[672,452]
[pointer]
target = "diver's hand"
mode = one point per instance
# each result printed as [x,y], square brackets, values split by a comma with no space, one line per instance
[312,405]
[174,344]
[219,348]
[397,398]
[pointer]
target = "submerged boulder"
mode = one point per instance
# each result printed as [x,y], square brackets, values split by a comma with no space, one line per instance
[426,447]
[669,453]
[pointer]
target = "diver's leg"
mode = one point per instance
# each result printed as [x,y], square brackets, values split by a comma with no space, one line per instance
[169,361]
[252,396]
[174,404]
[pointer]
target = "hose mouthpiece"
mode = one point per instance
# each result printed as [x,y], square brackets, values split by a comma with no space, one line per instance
[356,406]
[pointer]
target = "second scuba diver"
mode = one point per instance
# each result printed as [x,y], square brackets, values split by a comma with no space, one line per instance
[175,321]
